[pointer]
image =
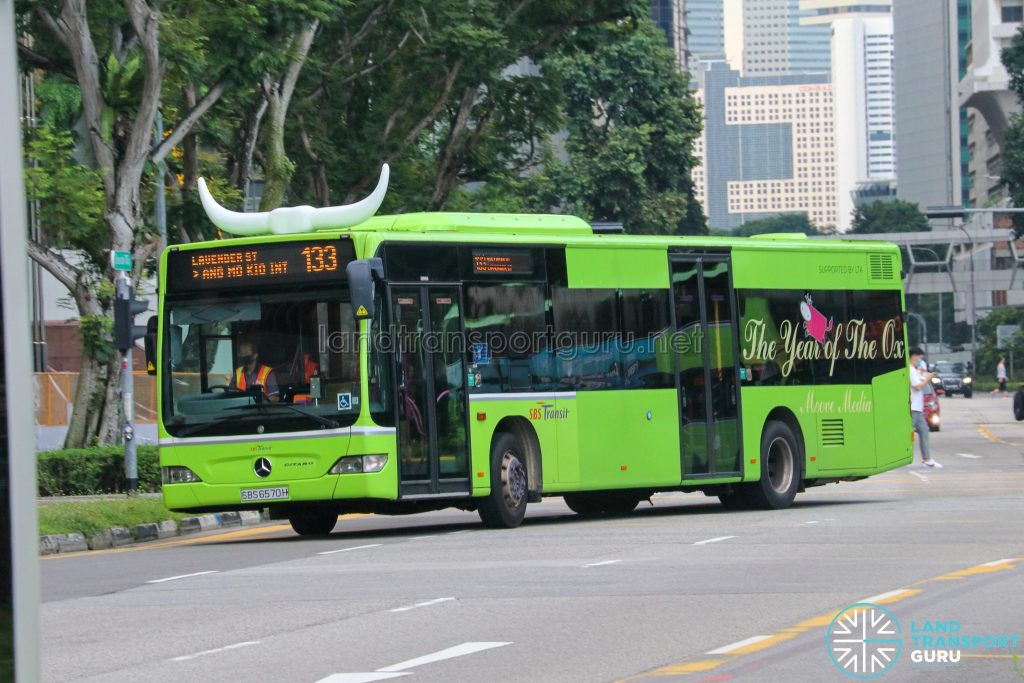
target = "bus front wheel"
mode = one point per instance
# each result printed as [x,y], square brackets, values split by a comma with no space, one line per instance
[505,506]
[313,522]
[781,459]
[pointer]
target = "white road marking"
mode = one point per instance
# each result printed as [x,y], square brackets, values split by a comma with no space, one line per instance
[183,576]
[345,550]
[813,521]
[738,645]
[367,677]
[972,456]
[441,655]
[216,650]
[714,540]
[997,562]
[601,564]
[920,476]
[416,538]
[427,603]
[884,596]
[460,531]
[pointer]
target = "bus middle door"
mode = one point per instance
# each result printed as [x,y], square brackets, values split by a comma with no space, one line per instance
[432,401]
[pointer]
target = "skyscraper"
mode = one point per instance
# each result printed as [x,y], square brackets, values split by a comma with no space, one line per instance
[777,43]
[705,20]
[766,147]
[862,54]
[670,17]
[925,75]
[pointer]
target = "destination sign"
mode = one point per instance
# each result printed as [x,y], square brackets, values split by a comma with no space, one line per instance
[260,264]
[502,261]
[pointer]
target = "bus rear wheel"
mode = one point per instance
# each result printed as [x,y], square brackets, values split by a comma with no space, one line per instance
[313,522]
[781,460]
[505,506]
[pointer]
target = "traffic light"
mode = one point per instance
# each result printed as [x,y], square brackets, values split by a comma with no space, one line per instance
[125,310]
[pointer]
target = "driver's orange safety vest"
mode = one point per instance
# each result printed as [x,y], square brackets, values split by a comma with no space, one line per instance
[261,377]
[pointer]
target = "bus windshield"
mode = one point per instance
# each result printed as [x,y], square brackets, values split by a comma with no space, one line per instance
[254,364]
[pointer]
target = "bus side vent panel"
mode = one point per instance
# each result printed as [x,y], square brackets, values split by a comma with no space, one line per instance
[880,266]
[832,433]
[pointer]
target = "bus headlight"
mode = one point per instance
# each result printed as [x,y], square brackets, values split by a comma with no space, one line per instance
[178,475]
[359,464]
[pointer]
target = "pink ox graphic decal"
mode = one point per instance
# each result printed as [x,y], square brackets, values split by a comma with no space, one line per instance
[815,325]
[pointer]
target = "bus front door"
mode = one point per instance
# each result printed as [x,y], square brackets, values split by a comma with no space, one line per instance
[707,372]
[430,373]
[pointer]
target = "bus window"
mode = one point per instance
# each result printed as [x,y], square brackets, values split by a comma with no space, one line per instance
[507,338]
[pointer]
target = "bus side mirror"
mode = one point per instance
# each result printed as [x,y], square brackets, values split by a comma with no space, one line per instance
[150,341]
[362,275]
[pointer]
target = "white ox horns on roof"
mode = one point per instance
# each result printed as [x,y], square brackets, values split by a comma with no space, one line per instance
[294,219]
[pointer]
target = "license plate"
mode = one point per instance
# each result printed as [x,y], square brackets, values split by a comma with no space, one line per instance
[276,493]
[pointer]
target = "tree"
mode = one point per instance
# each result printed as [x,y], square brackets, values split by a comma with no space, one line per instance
[891,216]
[786,222]
[1012,172]
[110,55]
[631,122]
[988,352]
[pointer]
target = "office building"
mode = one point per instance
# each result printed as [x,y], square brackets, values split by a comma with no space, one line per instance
[776,43]
[766,149]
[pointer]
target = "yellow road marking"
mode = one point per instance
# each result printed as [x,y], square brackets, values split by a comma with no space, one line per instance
[974,571]
[987,433]
[687,668]
[216,538]
[821,621]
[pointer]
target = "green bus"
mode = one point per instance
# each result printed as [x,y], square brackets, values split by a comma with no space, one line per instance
[480,361]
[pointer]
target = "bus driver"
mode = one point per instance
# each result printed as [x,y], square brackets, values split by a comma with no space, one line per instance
[251,372]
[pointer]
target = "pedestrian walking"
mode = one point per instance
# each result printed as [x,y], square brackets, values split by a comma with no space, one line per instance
[919,378]
[1001,377]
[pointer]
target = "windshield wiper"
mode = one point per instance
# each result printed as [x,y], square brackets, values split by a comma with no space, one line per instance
[265,407]
[203,425]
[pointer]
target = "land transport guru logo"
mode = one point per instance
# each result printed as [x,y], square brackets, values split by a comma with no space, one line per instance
[864,640]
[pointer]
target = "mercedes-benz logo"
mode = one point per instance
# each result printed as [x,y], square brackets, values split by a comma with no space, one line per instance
[262,467]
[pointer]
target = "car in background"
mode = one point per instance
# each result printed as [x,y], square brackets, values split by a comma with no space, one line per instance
[931,409]
[952,377]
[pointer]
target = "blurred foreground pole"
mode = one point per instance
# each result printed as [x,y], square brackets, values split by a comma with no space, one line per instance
[19,539]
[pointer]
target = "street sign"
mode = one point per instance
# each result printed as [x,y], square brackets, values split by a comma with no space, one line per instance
[1005,335]
[121,260]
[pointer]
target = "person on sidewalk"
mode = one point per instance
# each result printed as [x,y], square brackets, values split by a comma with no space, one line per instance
[919,378]
[1001,377]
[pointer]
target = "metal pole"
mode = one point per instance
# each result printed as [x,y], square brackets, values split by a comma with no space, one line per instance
[20,578]
[974,320]
[940,322]
[131,465]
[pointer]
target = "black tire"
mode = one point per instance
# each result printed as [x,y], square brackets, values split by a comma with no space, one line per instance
[505,506]
[313,522]
[620,503]
[781,468]
[968,394]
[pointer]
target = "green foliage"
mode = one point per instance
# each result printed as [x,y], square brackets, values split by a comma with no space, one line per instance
[91,518]
[786,222]
[70,195]
[892,216]
[1012,172]
[631,123]
[88,471]
[987,355]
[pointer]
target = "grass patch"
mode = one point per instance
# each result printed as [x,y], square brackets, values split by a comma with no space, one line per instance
[93,517]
